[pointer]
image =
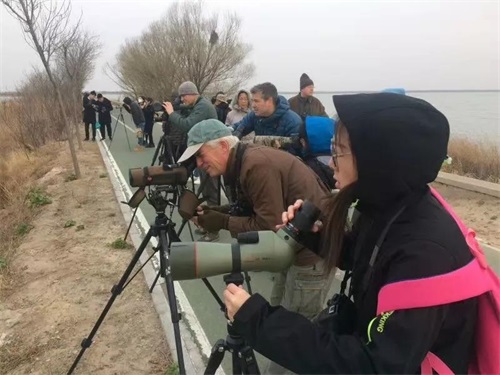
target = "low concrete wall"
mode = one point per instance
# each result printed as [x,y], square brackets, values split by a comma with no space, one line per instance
[467,183]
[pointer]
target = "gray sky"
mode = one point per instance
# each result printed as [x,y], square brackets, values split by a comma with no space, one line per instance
[341,45]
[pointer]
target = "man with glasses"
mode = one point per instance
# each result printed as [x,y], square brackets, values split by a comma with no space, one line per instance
[202,109]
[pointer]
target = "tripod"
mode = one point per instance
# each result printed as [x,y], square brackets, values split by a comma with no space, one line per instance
[122,120]
[163,228]
[243,357]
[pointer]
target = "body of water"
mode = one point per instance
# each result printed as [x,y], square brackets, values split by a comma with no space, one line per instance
[470,113]
[474,114]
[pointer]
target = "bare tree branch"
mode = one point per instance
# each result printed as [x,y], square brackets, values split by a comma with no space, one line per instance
[47,25]
[185,44]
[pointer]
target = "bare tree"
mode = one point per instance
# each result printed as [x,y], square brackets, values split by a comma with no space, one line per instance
[46,28]
[75,62]
[186,44]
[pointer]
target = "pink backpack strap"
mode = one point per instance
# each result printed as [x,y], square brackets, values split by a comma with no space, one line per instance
[433,362]
[436,290]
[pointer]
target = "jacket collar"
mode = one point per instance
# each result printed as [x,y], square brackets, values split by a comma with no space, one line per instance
[229,176]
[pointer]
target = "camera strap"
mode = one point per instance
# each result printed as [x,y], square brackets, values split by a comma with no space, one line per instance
[236,190]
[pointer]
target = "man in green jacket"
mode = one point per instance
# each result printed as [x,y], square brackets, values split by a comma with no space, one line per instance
[202,109]
[305,104]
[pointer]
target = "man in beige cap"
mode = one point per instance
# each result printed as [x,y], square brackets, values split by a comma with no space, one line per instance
[222,107]
[263,181]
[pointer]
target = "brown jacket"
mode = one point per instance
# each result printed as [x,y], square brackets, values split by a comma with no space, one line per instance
[271,180]
[306,106]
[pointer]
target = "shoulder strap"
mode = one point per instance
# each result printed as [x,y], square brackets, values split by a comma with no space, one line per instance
[442,289]
[236,187]
[466,282]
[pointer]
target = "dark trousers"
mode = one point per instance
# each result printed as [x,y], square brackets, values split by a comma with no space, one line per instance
[148,133]
[103,129]
[210,189]
[87,124]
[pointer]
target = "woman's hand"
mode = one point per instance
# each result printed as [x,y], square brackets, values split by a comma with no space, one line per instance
[290,214]
[234,298]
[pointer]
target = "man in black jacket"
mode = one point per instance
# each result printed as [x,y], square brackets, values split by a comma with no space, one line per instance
[89,117]
[387,148]
[105,108]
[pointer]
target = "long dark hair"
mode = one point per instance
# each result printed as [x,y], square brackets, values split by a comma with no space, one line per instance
[335,208]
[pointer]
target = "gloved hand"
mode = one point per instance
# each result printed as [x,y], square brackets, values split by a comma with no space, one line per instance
[213,221]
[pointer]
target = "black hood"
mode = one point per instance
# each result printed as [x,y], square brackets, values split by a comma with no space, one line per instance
[399,143]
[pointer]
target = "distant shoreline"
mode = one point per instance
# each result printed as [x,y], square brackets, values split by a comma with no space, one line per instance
[10,93]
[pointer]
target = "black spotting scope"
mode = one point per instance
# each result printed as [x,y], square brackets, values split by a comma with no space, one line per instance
[253,251]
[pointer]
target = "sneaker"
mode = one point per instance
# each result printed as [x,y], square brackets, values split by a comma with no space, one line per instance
[209,237]
[138,148]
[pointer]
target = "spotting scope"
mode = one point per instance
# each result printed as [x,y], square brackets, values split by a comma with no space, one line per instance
[253,251]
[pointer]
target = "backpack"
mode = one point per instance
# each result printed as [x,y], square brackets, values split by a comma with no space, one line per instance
[476,279]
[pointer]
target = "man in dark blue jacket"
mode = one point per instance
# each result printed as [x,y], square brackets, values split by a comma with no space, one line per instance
[271,114]
[105,108]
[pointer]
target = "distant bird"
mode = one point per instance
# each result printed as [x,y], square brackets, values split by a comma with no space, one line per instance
[214,37]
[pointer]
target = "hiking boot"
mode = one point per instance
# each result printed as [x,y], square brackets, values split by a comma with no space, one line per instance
[209,237]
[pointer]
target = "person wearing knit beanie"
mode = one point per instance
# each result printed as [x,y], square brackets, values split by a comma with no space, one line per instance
[305,104]
[305,81]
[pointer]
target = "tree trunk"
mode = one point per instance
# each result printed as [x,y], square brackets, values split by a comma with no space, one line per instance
[77,129]
[67,129]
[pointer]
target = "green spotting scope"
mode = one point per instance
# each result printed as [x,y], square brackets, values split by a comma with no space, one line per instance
[253,251]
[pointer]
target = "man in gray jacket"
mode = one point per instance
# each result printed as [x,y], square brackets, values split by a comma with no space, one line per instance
[202,110]
[138,117]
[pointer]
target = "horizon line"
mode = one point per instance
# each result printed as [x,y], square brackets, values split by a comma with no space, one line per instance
[10,93]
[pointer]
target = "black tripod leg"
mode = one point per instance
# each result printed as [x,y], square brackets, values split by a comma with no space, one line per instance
[116,290]
[216,357]
[172,301]
[154,282]
[247,361]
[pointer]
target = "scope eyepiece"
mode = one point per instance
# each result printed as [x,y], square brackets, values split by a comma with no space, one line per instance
[304,219]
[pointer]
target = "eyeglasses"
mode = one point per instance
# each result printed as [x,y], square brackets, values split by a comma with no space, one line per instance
[336,155]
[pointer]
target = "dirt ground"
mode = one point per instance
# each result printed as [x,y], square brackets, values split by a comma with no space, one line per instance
[61,280]
[479,211]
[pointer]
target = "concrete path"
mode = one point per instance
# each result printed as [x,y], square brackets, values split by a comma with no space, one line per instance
[202,302]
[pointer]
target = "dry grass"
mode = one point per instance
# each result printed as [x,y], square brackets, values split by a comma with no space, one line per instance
[480,160]
[21,165]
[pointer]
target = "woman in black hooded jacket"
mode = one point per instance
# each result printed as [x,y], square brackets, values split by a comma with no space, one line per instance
[387,148]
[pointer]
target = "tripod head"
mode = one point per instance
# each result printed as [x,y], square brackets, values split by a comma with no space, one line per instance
[159,199]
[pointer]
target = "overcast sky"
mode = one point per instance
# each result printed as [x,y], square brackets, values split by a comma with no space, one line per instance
[341,45]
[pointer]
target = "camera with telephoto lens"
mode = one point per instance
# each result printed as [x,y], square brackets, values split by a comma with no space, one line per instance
[163,116]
